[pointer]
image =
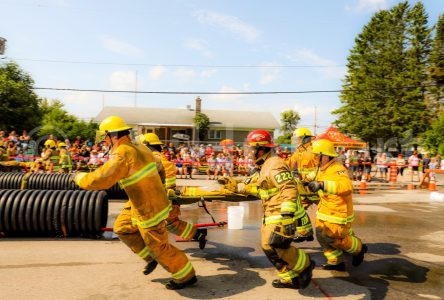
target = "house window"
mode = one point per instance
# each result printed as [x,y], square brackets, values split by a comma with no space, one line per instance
[214,134]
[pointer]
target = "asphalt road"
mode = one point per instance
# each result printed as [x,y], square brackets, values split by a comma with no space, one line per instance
[403,229]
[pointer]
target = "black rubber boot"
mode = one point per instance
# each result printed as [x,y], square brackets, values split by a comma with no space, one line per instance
[299,282]
[150,267]
[285,285]
[339,267]
[359,258]
[201,237]
[301,238]
[172,285]
[304,277]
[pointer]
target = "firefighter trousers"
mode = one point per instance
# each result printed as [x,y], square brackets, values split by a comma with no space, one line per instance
[178,227]
[335,239]
[152,243]
[289,262]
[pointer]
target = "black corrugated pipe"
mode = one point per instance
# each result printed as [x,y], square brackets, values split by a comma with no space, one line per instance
[55,181]
[42,213]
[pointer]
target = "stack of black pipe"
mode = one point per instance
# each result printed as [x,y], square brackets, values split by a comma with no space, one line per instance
[56,181]
[53,212]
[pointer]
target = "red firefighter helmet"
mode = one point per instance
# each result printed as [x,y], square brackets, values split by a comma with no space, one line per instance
[260,137]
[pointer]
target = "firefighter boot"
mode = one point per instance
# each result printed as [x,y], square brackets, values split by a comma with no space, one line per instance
[338,267]
[173,285]
[201,237]
[294,284]
[304,277]
[359,258]
[149,268]
[299,282]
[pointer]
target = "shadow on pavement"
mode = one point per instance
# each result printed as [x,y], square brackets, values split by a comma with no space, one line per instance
[376,275]
[238,278]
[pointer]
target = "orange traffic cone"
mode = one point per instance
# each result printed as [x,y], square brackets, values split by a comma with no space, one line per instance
[363,184]
[432,184]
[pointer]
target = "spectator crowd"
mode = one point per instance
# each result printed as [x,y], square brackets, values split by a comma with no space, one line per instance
[231,160]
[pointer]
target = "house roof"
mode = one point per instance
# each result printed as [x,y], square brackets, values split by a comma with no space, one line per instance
[184,117]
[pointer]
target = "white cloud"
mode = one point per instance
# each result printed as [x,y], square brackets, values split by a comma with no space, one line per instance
[120,47]
[199,45]
[83,104]
[156,72]
[327,67]
[307,111]
[185,73]
[232,24]
[268,75]
[189,73]
[230,98]
[123,80]
[367,6]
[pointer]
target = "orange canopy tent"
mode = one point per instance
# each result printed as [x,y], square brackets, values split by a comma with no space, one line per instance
[339,139]
[226,142]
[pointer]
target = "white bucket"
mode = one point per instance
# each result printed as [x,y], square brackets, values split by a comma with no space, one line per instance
[438,197]
[235,217]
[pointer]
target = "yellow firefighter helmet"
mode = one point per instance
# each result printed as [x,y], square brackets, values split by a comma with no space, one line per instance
[50,144]
[324,147]
[301,132]
[62,144]
[113,124]
[152,139]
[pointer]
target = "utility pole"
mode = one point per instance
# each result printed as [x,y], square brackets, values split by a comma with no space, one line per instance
[315,120]
[135,91]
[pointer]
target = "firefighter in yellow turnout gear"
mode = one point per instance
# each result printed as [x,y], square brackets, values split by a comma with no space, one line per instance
[174,225]
[51,156]
[141,224]
[303,164]
[276,188]
[65,161]
[335,209]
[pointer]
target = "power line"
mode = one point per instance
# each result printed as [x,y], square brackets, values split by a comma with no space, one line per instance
[230,93]
[176,65]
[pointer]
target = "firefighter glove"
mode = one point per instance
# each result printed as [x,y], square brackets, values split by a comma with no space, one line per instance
[229,183]
[315,186]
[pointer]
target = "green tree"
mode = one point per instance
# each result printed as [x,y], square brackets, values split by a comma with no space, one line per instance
[58,122]
[382,96]
[435,92]
[289,122]
[201,121]
[19,105]
[433,139]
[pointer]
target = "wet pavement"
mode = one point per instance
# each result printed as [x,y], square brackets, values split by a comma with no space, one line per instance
[403,229]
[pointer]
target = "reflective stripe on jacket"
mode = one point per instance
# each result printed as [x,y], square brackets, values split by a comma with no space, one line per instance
[135,168]
[277,189]
[304,161]
[336,205]
[170,170]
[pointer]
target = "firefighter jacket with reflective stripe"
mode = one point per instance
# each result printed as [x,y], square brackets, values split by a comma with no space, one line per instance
[135,168]
[336,205]
[65,159]
[277,189]
[303,160]
[52,156]
[170,170]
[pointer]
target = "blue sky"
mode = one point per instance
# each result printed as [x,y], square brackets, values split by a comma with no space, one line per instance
[186,46]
